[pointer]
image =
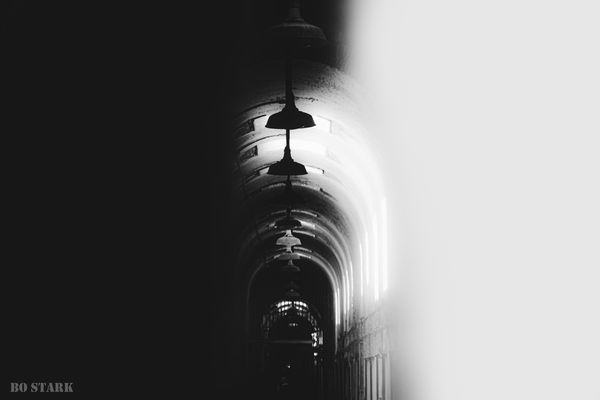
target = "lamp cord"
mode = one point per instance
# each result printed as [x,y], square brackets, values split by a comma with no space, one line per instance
[289,95]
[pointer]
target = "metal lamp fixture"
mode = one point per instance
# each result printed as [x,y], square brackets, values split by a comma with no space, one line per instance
[290,117]
[287,165]
[290,268]
[288,222]
[294,31]
[288,240]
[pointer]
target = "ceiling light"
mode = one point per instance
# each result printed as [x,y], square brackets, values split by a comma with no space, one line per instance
[287,165]
[288,240]
[295,31]
[290,118]
[290,268]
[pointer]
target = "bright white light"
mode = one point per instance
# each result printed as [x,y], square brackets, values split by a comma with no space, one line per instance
[322,123]
[314,170]
[286,304]
[337,306]
[367,258]
[278,144]
[272,144]
[312,147]
[488,213]
[350,287]
[375,250]
[360,255]
[345,303]
[384,244]
[347,295]
[260,122]
[309,225]
[288,240]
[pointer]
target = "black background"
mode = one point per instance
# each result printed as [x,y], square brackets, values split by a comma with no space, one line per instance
[115,180]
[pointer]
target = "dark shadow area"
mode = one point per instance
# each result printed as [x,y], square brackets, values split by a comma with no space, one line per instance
[116,179]
[117,171]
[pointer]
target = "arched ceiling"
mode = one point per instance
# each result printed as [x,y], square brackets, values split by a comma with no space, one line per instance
[341,190]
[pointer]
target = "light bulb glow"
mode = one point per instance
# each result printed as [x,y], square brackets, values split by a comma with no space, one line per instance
[260,122]
[375,259]
[314,170]
[278,144]
[361,266]
[322,123]
[367,259]
[384,244]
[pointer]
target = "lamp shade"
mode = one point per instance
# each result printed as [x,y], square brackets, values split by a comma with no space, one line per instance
[287,166]
[290,118]
[288,240]
[290,268]
[294,31]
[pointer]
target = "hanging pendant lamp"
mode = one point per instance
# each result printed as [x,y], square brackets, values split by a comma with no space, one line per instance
[288,222]
[294,31]
[285,120]
[287,165]
[290,117]
[290,268]
[288,240]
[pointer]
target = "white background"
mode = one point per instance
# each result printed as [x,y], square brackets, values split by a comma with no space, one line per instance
[491,146]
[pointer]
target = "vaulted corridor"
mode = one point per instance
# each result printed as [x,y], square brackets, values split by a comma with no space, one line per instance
[316,199]
[309,255]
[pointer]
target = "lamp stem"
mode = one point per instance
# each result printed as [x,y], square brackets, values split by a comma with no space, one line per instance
[289,95]
[294,10]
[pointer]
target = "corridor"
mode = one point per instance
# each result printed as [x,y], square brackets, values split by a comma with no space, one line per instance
[309,216]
